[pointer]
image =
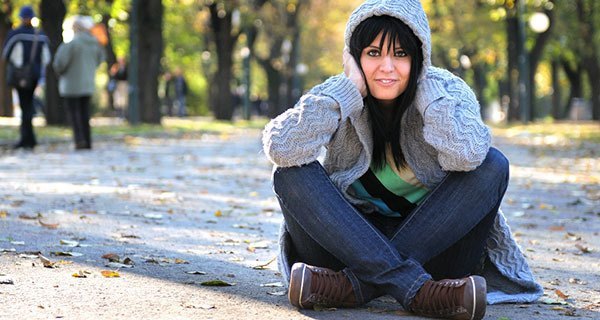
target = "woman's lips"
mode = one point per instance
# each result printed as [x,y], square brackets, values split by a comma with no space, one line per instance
[386,82]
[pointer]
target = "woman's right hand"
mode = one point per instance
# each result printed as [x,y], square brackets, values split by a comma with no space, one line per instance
[354,73]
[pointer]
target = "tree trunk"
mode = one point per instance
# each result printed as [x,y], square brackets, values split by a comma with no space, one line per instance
[274,78]
[590,52]
[534,60]
[110,54]
[221,95]
[479,75]
[574,76]
[556,91]
[150,46]
[52,13]
[512,27]
[6,106]
[292,81]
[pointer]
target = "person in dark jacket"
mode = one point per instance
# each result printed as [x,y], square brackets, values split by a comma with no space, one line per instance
[181,89]
[17,51]
[76,64]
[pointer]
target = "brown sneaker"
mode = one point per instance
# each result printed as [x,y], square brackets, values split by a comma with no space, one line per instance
[310,286]
[462,299]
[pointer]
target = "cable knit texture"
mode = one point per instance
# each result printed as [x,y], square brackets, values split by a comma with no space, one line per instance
[442,131]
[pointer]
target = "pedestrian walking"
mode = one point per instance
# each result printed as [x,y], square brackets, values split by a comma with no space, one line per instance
[406,199]
[167,93]
[118,86]
[27,54]
[76,64]
[180,89]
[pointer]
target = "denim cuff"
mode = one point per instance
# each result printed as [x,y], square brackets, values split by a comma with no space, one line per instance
[414,288]
[356,286]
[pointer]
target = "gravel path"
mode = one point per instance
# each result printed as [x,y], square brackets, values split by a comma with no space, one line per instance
[172,215]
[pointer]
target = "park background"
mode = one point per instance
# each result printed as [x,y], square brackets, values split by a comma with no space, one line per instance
[188,201]
[527,60]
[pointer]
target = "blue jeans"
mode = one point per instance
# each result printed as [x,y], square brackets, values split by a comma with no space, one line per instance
[444,237]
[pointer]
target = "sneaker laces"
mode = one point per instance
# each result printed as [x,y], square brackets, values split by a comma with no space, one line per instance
[329,287]
[439,297]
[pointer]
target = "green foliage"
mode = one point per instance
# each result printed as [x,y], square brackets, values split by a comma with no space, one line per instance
[469,28]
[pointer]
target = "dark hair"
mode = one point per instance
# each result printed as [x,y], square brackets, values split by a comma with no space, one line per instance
[398,33]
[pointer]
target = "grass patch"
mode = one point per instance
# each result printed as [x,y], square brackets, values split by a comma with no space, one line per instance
[111,128]
[576,131]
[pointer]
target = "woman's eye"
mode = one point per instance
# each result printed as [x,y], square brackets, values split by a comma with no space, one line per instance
[373,53]
[400,53]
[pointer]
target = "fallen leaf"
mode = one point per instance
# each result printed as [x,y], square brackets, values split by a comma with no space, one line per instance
[26,216]
[318,307]
[18,243]
[576,281]
[258,245]
[557,228]
[117,265]
[583,249]
[153,216]
[550,301]
[46,262]
[561,294]
[264,265]
[69,243]
[216,283]
[128,261]
[66,254]
[8,250]
[48,225]
[277,293]
[196,272]
[111,257]
[17,203]
[181,261]
[110,274]
[4,280]
[79,274]
[218,213]
[272,284]
[3,214]
[129,235]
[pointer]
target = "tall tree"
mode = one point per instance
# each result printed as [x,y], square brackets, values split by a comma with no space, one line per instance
[6,106]
[146,52]
[223,38]
[535,56]
[586,12]
[53,13]
[281,31]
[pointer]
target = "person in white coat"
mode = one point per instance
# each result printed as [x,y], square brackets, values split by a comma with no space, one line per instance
[75,63]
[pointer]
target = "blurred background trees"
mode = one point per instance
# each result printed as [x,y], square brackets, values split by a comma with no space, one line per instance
[525,59]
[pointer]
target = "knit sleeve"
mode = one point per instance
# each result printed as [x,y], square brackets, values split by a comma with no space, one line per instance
[296,136]
[452,121]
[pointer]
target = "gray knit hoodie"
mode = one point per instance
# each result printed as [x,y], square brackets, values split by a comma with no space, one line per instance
[441,132]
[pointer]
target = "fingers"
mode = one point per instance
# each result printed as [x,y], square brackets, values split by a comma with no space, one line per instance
[353,72]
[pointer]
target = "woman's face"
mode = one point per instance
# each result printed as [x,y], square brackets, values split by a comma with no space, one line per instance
[386,71]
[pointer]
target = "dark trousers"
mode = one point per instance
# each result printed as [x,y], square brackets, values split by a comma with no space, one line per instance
[78,109]
[27,139]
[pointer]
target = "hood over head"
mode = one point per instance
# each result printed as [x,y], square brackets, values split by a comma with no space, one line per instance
[408,11]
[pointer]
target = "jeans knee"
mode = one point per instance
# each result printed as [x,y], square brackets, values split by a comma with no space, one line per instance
[285,178]
[496,164]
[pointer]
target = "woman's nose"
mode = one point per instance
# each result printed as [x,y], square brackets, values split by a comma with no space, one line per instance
[387,65]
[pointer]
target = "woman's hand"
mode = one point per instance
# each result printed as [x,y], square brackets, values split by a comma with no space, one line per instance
[353,73]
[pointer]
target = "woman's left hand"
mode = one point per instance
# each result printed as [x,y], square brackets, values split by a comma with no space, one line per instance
[354,73]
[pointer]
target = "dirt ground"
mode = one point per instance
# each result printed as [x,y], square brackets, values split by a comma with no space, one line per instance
[170,216]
